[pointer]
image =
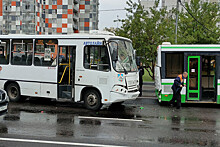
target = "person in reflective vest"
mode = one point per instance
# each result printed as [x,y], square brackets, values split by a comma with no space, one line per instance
[177,87]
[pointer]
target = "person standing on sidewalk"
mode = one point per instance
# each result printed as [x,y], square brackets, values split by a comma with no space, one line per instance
[177,87]
[141,73]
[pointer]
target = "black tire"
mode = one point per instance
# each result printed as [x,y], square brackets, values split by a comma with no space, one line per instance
[13,92]
[92,100]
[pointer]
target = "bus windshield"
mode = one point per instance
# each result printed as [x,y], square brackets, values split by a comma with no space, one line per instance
[126,59]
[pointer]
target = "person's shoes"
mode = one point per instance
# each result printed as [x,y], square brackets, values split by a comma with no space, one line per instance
[170,104]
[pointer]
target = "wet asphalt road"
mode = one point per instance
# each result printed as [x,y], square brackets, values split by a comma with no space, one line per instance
[142,122]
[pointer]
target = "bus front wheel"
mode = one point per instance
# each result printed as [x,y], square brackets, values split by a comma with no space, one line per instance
[13,92]
[92,100]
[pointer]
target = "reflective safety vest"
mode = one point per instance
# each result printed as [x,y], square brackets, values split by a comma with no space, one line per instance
[181,77]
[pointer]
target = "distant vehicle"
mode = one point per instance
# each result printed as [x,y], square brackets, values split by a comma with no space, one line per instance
[3,102]
[96,69]
[202,62]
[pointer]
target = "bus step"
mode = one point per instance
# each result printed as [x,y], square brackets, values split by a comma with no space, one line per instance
[66,94]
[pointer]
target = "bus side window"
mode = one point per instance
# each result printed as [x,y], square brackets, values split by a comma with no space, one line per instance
[174,64]
[4,51]
[21,52]
[45,53]
[96,58]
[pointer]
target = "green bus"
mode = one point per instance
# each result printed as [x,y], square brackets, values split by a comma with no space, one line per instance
[202,62]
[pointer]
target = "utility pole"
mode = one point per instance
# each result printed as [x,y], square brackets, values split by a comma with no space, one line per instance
[177,18]
[117,21]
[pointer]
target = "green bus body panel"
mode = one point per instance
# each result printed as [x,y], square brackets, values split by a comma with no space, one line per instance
[218,99]
[170,96]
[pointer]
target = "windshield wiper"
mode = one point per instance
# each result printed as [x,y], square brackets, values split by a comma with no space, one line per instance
[126,72]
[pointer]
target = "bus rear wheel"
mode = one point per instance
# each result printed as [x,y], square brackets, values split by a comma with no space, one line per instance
[13,92]
[92,100]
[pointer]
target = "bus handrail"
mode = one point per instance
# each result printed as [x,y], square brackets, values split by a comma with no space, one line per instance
[63,74]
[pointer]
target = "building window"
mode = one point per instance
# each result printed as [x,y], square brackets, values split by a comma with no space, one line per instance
[45,53]
[54,2]
[174,64]
[4,51]
[96,58]
[21,52]
[54,11]
[27,6]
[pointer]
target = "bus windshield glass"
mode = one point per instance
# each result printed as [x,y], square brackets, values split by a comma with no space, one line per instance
[125,59]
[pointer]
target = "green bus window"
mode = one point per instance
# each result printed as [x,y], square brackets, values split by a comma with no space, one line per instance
[174,64]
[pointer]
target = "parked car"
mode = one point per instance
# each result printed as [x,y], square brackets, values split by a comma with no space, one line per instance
[3,102]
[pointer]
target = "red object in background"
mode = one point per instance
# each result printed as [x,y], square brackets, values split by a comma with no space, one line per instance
[81,6]
[13,3]
[1,7]
[0,68]
[76,31]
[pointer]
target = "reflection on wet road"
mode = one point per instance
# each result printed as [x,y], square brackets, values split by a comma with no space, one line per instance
[140,123]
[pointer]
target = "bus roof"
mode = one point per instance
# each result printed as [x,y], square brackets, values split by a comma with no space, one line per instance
[72,36]
[196,47]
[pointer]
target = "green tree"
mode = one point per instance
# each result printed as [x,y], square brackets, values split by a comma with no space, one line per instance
[204,29]
[147,30]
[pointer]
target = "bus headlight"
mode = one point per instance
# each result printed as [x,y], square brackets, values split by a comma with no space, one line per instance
[119,89]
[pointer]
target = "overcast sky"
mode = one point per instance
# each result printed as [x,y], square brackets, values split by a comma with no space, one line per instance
[106,18]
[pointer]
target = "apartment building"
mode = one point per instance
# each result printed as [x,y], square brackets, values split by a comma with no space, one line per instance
[168,3]
[45,17]
[88,15]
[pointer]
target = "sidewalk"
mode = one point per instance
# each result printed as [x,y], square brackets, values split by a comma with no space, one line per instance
[148,90]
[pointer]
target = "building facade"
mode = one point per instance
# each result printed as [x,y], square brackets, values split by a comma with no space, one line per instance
[169,3]
[88,15]
[45,17]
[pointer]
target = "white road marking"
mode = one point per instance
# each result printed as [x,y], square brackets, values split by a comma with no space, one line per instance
[104,118]
[57,142]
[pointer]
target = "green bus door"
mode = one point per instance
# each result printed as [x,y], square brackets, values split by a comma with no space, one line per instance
[193,80]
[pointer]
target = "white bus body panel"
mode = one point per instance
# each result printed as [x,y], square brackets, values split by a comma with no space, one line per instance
[104,82]
[29,86]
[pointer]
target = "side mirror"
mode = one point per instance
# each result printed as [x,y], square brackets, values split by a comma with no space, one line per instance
[135,52]
[138,61]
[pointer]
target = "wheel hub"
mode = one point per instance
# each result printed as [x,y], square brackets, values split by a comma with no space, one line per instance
[92,99]
[13,92]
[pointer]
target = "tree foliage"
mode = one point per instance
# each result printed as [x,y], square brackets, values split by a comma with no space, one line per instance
[148,29]
[204,29]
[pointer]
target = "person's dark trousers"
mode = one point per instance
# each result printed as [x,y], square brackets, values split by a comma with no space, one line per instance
[172,101]
[140,89]
[176,97]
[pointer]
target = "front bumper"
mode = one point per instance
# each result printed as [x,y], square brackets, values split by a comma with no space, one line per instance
[121,97]
[3,108]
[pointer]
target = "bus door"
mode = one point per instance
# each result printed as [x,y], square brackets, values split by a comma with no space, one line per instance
[193,80]
[66,71]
